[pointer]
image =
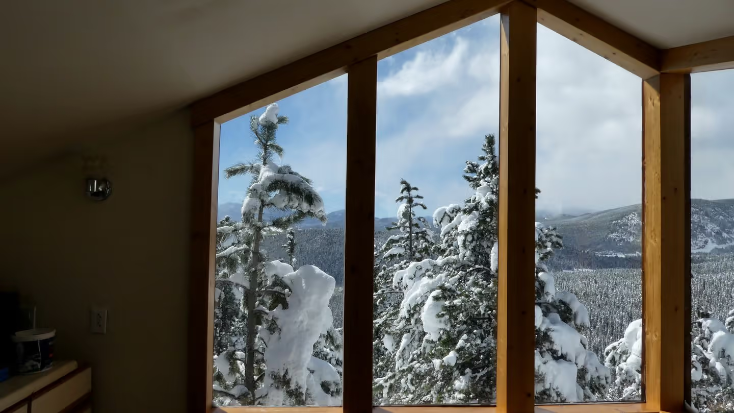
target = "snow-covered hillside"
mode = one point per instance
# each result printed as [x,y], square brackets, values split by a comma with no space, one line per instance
[712,225]
[617,232]
[607,239]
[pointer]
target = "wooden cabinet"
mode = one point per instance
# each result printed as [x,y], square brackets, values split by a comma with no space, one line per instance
[25,408]
[65,388]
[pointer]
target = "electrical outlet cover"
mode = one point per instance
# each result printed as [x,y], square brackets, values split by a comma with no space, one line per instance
[98,320]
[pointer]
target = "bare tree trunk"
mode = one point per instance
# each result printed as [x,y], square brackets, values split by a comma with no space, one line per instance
[250,382]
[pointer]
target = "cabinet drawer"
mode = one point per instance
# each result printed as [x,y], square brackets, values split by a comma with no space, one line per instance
[64,393]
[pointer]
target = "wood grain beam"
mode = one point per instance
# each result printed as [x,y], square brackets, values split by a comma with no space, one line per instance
[201,282]
[329,63]
[558,408]
[288,409]
[666,239]
[700,57]
[516,296]
[600,37]
[360,235]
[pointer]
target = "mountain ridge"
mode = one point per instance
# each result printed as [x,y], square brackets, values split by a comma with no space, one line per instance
[611,232]
[619,230]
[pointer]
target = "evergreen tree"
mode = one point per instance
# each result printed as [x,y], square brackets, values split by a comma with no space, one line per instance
[302,350]
[712,364]
[272,187]
[232,251]
[330,348]
[624,359]
[447,318]
[565,370]
[413,242]
[384,307]
[445,346]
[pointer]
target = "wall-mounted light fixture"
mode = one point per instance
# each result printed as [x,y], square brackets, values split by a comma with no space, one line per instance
[98,187]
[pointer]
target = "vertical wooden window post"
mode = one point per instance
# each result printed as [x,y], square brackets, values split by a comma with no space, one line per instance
[666,238]
[360,235]
[203,247]
[516,299]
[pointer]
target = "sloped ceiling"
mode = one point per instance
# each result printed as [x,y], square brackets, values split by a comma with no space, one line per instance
[667,23]
[78,70]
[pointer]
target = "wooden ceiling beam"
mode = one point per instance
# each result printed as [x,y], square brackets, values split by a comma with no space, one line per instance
[599,36]
[560,16]
[700,57]
[329,63]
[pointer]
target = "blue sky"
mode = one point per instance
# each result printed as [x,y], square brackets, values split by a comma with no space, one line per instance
[314,142]
[438,100]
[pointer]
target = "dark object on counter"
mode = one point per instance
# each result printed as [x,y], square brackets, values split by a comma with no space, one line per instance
[34,349]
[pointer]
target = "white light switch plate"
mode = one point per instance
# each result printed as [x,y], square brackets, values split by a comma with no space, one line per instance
[98,320]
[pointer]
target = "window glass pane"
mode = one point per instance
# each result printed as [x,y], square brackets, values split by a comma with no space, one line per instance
[588,274]
[436,221]
[712,241]
[280,251]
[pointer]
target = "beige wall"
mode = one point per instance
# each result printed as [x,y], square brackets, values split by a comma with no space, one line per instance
[129,254]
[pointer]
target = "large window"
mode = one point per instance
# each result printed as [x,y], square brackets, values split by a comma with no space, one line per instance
[471,302]
[436,220]
[278,304]
[589,278]
[712,241]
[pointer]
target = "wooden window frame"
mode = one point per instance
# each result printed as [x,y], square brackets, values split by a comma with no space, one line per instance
[666,196]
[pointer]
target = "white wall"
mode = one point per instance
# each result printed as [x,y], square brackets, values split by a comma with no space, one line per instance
[129,253]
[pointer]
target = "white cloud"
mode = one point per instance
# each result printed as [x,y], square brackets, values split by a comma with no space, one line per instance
[588,129]
[588,122]
[428,71]
[432,116]
[436,102]
[704,122]
[712,136]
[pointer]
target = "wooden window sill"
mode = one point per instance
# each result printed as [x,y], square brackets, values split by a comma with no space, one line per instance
[569,408]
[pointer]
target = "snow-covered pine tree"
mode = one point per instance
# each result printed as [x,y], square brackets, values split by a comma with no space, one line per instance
[712,364]
[384,309]
[329,346]
[624,359]
[414,241]
[299,366]
[445,348]
[330,349]
[565,370]
[272,187]
[231,253]
[232,250]
[447,319]
[290,246]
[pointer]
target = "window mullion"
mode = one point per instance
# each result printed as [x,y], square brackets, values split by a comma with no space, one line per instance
[666,240]
[360,230]
[516,298]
